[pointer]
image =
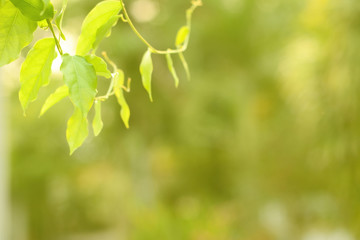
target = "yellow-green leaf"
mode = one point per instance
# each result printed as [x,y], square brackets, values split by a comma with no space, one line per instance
[105,31]
[54,98]
[36,10]
[146,69]
[59,18]
[182,35]
[77,130]
[16,31]
[119,79]
[185,65]
[80,77]
[97,123]
[172,69]
[35,70]
[99,16]
[43,24]
[99,65]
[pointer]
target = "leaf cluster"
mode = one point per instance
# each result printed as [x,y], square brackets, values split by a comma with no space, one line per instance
[18,21]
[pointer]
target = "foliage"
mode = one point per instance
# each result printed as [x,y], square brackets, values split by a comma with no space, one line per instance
[18,21]
[263,144]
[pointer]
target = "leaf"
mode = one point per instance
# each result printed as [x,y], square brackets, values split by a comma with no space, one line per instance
[77,130]
[35,70]
[186,66]
[59,18]
[119,93]
[97,123]
[54,98]
[99,65]
[2,2]
[16,32]
[172,69]
[146,69]
[43,24]
[80,77]
[182,35]
[105,31]
[36,10]
[98,17]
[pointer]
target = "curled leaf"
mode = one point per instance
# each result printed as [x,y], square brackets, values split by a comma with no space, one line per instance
[172,69]
[59,19]
[119,93]
[146,69]
[185,65]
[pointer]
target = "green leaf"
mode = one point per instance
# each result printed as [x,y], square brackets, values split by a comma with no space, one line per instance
[105,31]
[59,18]
[16,31]
[54,98]
[182,35]
[35,70]
[146,69]
[35,9]
[186,66]
[99,16]
[97,123]
[2,2]
[172,69]
[99,65]
[77,130]
[119,79]
[80,77]
[43,24]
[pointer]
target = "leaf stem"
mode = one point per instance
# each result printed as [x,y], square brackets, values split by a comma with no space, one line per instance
[110,91]
[53,33]
[181,49]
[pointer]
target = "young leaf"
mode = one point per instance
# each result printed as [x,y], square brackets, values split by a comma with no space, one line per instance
[99,16]
[146,69]
[35,70]
[16,31]
[186,66]
[43,24]
[59,18]
[99,65]
[77,130]
[54,98]
[80,77]
[97,123]
[36,10]
[172,69]
[182,35]
[119,93]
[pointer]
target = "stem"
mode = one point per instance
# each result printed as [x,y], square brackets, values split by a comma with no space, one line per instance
[53,33]
[109,61]
[151,48]
[110,91]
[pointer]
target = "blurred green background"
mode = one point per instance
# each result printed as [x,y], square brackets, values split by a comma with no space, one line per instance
[262,144]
